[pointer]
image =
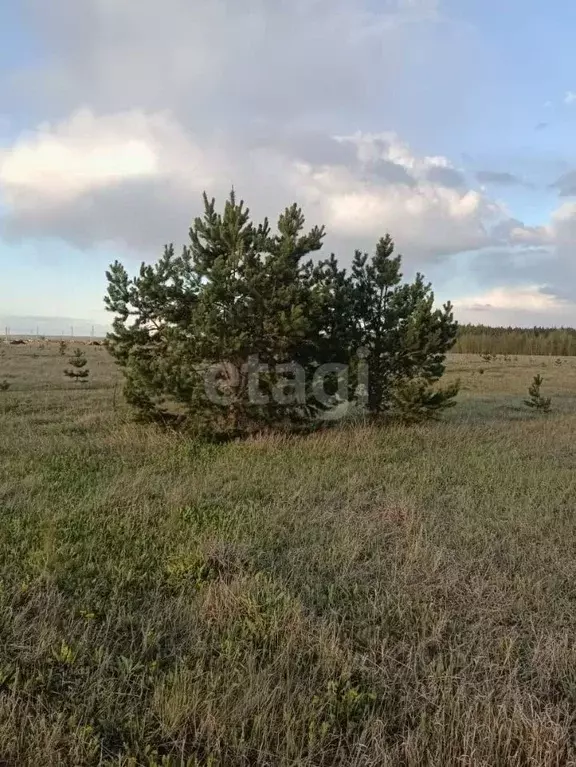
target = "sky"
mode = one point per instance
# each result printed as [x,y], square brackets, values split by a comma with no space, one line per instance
[449,124]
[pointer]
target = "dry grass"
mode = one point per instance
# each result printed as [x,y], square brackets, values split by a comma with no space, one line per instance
[361,597]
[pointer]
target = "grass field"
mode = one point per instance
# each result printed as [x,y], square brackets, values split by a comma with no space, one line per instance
[358,597]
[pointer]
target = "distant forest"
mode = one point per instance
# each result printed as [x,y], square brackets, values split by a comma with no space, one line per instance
[481,339]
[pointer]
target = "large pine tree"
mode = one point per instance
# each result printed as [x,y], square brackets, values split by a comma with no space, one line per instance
[231,334]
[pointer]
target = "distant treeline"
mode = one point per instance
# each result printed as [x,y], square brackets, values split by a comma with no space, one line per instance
[481,339]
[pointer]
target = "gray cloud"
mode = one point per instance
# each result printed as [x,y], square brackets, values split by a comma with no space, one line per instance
[212,60]
[552,268]
[522,286]
[512,231]
[137,215]
[448,177]
[538,260]
[308,146]
[498,178]
[566,184]
[391,173]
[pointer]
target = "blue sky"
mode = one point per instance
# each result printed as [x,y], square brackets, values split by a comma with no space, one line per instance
[449,123]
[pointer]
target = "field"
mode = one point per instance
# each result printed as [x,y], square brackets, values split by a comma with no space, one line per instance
[358,597]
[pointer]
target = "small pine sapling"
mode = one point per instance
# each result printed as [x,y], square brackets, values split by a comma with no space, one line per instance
[62,347]
[537,401]
[79,372]
[417,400]
[4,385]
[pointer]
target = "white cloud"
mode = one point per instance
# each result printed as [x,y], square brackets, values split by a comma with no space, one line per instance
[122,178]
[425,218]
[78,178]
[532,298]
[517,306]
[569,98]
[60,163]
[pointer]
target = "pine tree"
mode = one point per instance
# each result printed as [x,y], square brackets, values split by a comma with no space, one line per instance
[537,401]
[79,372]
[229,335]
[62,346]
[237,292]
[403,337]
[418,400]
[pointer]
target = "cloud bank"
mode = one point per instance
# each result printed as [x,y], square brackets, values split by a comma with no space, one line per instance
[141,107]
